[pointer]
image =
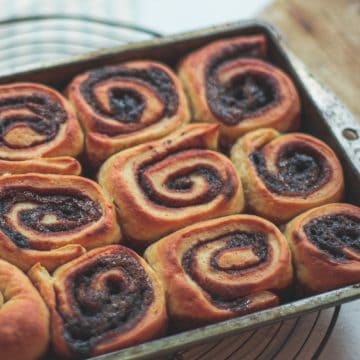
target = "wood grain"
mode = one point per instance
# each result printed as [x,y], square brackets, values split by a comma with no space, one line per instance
[325,34]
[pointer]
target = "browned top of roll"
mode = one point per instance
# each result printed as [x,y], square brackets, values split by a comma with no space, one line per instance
[332,230]
[163,185]
[326,245]
[127,104]
[126,98]
[106,299]
[293,172]
[221,267]
[36,121]
[229,82]
[52,218]
[24,317]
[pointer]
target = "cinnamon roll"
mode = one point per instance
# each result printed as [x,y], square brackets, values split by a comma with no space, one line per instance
[126,105]
[284,175]
[161,186]
[107,299]
[39,131]
[221,268]
[24,318]
[325,243]
[227,82]
[52,219]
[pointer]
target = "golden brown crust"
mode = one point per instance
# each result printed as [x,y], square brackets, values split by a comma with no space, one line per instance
[37,122]
[164,185]
[221,268]
[52,219]
[227,83]
[325,246]
[126,105]
[121,280]
[284,175]
[24,318]
[64,165]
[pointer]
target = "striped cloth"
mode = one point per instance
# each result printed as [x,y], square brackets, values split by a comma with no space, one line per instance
[27,44]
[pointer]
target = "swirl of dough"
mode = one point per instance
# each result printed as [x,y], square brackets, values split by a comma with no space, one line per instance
[52,219]
[164,185]
[228,83]
[222,268]
[125,105]
[107,299]
[325,242]
[284,175]
[39,131]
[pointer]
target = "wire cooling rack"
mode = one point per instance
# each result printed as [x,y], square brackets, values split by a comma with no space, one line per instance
[301,338]
[26,42]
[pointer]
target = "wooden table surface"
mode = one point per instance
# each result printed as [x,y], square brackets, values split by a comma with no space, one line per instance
[325,34]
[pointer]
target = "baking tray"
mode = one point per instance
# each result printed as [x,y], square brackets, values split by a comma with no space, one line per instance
[323,115]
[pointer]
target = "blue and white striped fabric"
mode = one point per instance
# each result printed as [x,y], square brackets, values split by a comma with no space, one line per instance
[27,44]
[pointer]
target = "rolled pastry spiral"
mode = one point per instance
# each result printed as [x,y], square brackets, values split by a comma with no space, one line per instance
[325,243]
[284,175]
[227,82]
[221,268]
[52,219]
[24,317]
[126,105]
[39,131]
[107,299]
[164,185]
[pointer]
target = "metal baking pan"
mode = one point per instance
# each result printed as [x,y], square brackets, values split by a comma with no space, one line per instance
[323,115]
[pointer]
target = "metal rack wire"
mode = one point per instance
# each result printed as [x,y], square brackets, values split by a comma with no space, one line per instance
[26,42]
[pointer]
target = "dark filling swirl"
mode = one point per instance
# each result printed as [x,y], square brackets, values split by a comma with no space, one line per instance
[301,170]
[46,116]
[104,308]
[331,233]
[245,95]
[180,181]
[127,105]
[71,210]
[235,240]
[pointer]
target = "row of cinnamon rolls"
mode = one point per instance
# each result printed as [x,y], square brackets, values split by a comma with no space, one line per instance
[166,189]
[121,106]
[110,297]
